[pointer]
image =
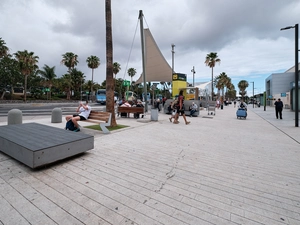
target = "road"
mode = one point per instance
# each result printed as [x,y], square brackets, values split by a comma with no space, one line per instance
[32,109]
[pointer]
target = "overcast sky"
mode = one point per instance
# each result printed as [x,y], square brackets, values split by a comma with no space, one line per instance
[245,34]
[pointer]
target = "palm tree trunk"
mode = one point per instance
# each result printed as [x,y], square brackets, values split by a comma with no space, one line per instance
[70,81]
[212,83]
[110,106]
[92,96]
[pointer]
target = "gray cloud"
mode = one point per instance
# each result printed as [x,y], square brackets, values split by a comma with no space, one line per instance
[246,34]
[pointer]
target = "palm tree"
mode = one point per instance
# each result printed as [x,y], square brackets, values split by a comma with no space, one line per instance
[211,60]
[77,78]
[3,48]
[131,72]
[64,82]
[93,62]
[243,84]
[49,74]
[116,68]
[110,84]
[231,92]
[70,60]
[27,63]
[223,81]
[218,85]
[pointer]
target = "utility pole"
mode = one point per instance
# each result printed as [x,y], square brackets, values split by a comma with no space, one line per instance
[143,59]
[296,97]
[253,93]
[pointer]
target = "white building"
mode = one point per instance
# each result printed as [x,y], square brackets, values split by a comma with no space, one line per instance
[281,85]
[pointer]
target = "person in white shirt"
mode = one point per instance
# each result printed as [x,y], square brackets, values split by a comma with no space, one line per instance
[83,112]
[193,109]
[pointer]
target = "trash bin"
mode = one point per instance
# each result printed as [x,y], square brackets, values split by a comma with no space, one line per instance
[154,114]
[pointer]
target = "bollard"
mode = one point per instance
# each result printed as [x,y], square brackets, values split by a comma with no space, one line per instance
[56,116]
[14,117]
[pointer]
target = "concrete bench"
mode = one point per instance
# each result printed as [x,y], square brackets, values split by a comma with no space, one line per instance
[129,110]
[36,144]
[103,118]
[187,104]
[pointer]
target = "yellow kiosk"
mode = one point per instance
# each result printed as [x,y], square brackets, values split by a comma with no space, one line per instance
[178,82]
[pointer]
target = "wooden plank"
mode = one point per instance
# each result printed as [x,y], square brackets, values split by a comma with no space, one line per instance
[36,144]
[102,116]
[131,109]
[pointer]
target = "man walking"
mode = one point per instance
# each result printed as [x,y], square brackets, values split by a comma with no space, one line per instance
[278,108]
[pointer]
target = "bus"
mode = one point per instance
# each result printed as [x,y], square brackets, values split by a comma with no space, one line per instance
[130,96]
[148,97]
[101,96]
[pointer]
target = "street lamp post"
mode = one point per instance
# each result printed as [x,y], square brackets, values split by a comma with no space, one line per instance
[173,52]
[253,93]
[172,58]
[193,71]
[296,73]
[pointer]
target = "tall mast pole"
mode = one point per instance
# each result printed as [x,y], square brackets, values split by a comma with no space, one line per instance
[172,66]
[143,60]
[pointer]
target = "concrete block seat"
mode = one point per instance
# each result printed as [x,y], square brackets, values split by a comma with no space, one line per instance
[187,104]
[36,144]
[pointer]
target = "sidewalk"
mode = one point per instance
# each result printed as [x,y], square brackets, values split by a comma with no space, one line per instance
[217,170]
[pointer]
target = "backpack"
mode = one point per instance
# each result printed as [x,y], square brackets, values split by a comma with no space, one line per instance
[70,126]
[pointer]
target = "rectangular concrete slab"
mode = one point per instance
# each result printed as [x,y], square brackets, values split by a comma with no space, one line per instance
[36,144]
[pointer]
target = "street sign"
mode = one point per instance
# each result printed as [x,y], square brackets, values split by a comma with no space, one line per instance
[126,83]
[283,95]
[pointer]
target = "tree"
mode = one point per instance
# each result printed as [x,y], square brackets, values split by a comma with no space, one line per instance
[223,81]
[218,85]
[131,72]
[77,77]
[70,60]
[64,83]
[93,62]
[243,84]
[110,84]
[211,60]
[3,48]
[49,74]
[116,68]
[27,64]
[9,73]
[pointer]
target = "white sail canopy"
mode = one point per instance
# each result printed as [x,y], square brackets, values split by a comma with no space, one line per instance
[157,68]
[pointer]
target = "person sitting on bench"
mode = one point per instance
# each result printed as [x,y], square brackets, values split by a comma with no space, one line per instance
[83,110]
[193,109]
[139,104]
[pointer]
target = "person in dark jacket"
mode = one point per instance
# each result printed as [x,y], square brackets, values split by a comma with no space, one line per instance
[278,108]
